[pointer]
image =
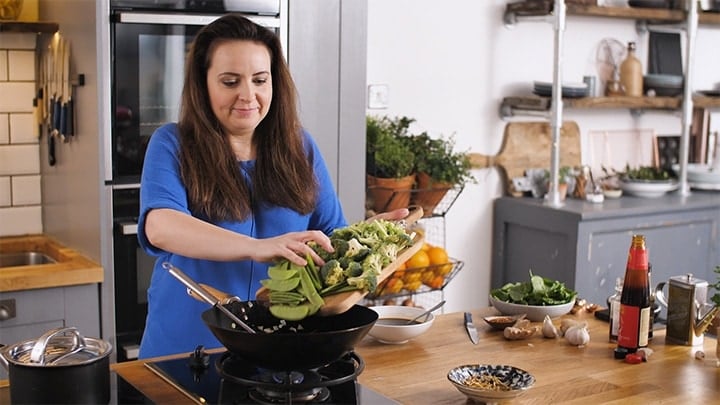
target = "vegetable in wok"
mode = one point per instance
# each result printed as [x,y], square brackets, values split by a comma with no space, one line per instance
[362,250]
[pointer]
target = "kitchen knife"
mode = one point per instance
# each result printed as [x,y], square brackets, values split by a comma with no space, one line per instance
[470,327]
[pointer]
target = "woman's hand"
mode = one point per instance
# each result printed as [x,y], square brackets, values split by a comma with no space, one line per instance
[394,215]
[292,246]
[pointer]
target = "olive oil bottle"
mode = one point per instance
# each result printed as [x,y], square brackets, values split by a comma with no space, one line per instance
[631,76]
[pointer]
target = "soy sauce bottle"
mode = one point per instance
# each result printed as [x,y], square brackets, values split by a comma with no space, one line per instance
[635,299]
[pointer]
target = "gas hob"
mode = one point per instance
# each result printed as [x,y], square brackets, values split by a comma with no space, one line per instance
[220,378]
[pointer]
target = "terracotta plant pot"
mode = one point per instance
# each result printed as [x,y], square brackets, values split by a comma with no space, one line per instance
[429,193]
[387,194]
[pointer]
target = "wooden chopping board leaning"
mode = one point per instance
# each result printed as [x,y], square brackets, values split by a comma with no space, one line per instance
[527,145]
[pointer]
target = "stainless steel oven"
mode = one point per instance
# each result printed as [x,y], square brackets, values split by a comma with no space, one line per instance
[148,43]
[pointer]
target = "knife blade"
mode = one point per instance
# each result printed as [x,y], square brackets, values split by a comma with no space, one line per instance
[470,327]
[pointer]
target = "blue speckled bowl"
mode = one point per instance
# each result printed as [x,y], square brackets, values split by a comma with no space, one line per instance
[517,379]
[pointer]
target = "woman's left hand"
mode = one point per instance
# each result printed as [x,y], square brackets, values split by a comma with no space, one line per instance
[394,215]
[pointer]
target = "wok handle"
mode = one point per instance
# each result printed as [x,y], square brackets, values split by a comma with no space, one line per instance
[221,296]
[191,284]
[204,294]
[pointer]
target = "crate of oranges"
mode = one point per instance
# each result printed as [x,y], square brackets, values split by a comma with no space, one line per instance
[427,270]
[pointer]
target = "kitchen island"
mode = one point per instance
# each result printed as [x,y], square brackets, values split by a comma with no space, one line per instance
[415,372]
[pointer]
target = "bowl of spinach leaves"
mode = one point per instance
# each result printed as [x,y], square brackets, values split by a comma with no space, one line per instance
[535,298]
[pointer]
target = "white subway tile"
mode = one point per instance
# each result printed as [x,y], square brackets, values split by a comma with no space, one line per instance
[19,159]
[20,220]
[21,65]
[18,40]
[17,96]
[5,196]
[26,190]
[4,129]
[3,65]
[23,128]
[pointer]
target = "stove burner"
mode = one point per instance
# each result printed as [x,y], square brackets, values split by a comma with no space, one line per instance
[264,396]
[236,369]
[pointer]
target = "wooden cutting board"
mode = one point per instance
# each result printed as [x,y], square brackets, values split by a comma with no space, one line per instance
[336,303]
[526,145]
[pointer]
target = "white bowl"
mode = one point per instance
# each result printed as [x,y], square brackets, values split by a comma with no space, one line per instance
[517,381]
[648,188]
[397,334]
[535,313]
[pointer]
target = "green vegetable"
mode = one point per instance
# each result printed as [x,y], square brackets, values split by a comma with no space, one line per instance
[538,291]
[361,252]
[647,173]
[280,284]
[332,273]
[290,312]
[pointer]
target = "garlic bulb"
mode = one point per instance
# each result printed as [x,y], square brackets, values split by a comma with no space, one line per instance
[548,329]
[566,324]
[578,335]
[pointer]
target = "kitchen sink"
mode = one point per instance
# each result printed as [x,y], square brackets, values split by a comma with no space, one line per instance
[24,259]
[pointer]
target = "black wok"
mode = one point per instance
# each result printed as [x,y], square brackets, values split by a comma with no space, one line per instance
[310,343]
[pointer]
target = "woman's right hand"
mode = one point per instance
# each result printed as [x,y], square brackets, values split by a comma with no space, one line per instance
[292,246]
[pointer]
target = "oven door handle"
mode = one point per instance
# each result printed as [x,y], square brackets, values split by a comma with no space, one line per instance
[128,227]
[187,19]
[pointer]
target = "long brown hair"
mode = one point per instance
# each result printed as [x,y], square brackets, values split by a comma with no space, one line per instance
[283,174]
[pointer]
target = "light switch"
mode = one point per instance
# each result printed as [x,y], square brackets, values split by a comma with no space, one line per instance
[378,96]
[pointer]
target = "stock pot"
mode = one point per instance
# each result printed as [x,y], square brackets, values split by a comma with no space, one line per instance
[60,367]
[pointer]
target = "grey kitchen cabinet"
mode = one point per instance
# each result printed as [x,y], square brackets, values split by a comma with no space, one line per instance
[40,310]
[585,245]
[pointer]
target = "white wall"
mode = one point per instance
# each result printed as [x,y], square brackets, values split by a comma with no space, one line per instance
[449,64]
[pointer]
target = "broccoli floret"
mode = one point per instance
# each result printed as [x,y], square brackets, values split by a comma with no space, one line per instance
[366,281]
[332,273]
[324,254]
[372,264]
[388,252]
[356,250]
[341,247]
[353,269]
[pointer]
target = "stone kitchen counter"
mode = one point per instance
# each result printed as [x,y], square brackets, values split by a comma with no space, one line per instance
[71,267]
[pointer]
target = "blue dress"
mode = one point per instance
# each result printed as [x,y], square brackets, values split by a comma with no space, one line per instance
[174,323]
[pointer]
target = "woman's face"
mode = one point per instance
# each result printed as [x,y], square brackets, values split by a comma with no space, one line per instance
[239,85]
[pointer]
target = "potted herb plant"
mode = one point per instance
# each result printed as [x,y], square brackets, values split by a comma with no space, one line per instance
[564,175]
[390,163]
[439,168]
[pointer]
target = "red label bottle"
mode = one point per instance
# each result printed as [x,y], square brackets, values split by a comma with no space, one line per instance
[635,299]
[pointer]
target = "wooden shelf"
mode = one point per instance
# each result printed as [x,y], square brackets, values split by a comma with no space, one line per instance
[629,13]
[29,27]
[663,103]
[702,101]
[635,13]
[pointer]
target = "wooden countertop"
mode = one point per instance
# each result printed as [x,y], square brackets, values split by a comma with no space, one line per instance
[415,372]
[71,267]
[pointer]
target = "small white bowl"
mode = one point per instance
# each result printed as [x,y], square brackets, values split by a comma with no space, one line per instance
[534,313]
[398,334]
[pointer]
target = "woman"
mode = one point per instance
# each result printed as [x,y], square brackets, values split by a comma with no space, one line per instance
[234,185]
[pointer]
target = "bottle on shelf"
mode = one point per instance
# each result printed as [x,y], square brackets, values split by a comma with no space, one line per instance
[631,76]
[634,300]
[614,309]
